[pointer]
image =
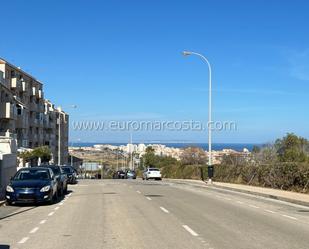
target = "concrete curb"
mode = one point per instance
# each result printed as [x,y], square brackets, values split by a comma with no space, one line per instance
[2,203]
[275,197]
[214,186]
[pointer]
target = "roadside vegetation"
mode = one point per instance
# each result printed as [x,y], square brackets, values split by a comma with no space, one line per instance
[42,153]
[281,165]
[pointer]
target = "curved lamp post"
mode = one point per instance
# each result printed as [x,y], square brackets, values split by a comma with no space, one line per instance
[187,53]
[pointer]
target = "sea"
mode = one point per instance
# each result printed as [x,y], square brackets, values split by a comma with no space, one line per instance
[215,146]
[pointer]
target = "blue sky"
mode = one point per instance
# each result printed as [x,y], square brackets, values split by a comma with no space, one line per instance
[122,60]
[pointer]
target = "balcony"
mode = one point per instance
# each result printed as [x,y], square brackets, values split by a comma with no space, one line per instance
[34,106]
[25,143]
[22,122]
[34,91]
[15,83]
[2,79]
[23,86]
[7,110]
[40,94]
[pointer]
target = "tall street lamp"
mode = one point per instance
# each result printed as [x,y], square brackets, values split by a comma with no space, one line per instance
[187,53]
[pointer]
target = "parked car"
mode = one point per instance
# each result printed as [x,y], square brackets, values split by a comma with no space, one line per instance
[61,177]
[32,185]
[71,174]
[130,174]
[152,173]
[120,174]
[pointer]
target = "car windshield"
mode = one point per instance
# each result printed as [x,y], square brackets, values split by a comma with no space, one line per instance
[56,170]
[67,170]
[32,175]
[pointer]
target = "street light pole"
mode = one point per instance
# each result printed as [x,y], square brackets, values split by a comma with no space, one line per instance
[187,53]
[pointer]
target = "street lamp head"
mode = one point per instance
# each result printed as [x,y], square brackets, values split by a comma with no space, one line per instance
[186,53]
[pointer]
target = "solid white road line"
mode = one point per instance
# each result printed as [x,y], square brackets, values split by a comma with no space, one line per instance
[69,194]
[139,192]
[164,210]
[269,211]
[253,206]
[190,230]
[42,221]
[34,230]
[51,213]
[23,240]
[290,217]
[148,198]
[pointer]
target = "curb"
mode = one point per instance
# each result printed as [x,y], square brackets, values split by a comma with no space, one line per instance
[2,203]
[274,197]
[214,186]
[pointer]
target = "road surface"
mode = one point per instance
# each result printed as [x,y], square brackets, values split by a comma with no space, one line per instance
[153,214]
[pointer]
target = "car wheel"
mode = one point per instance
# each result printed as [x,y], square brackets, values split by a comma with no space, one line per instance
[56,197]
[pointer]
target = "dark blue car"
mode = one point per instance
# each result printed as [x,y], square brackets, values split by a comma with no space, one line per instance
[32,185]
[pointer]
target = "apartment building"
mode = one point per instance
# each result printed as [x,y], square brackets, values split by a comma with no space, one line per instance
[24,112]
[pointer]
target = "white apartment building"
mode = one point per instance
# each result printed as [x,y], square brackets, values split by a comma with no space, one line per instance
[24,112]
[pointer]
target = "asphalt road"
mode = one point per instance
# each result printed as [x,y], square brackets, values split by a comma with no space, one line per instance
[152,214]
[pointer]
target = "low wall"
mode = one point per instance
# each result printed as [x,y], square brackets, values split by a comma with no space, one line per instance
[8,168]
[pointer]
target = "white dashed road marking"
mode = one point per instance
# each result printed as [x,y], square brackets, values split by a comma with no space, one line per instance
[139,192]
[290,217]
[253,206]
[23,240]
[269,211]
[56,208]
[34,230]
[164,210]
[193,233]
[51,214]
[148,198]
[42,221]
[226,198]
[239,202]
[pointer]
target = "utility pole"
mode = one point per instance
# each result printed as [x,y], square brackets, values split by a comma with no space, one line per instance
[59,138]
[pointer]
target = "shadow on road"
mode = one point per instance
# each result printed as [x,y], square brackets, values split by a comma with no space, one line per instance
[16,213]
[154,195]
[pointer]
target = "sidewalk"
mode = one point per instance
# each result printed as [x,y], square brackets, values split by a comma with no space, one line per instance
[282,195]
